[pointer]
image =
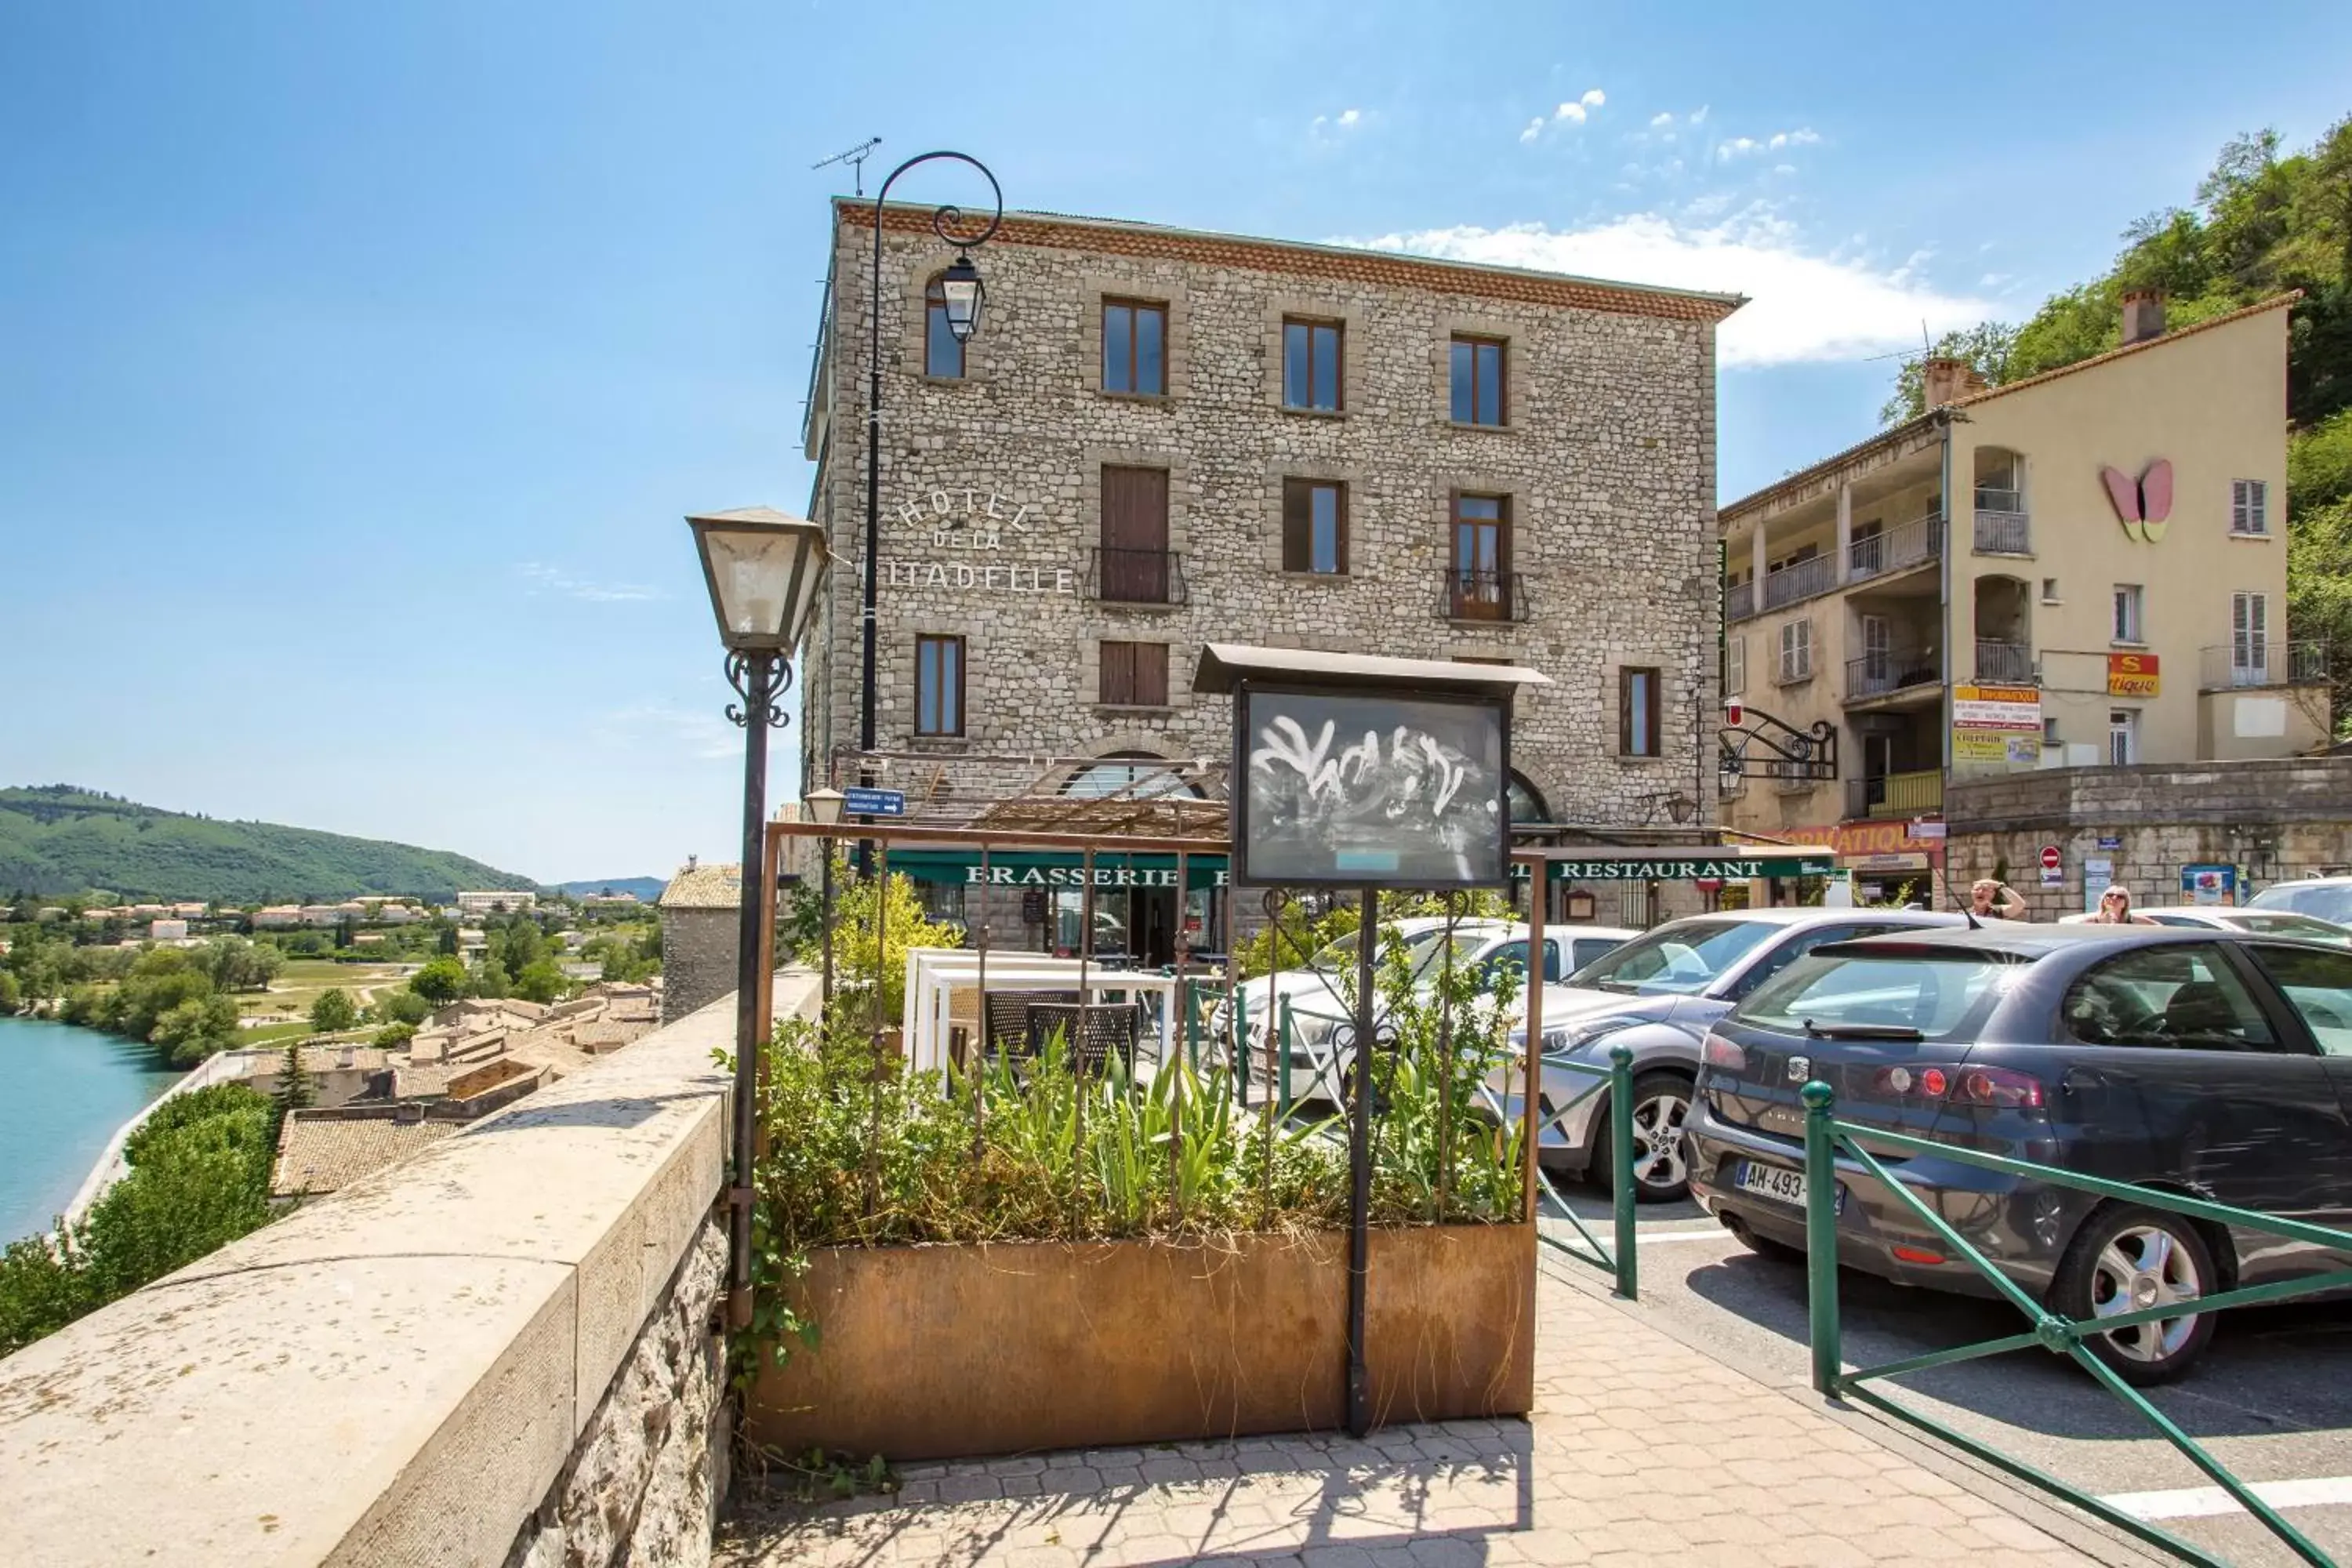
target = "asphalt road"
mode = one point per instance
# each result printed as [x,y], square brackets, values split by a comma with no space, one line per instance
[2272,1399]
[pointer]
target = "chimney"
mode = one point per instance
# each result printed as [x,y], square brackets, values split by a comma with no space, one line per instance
[2143,315]
[1945,380]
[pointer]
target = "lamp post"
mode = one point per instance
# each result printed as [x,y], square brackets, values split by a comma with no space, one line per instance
[964,295]
[824,808]
[763,568]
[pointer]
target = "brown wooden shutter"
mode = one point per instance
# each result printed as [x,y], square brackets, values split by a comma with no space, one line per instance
[1624,712]
[1135,535]
[1117,683]
[1298,525]
[1151,674]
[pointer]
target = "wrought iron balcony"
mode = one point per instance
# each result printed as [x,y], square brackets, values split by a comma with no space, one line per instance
[1739,601]
[1914,543]
[2002,532]
[2006,663]
[2262,661]
[1482,596]
[1136,576]
[1917,794]
[1800,580]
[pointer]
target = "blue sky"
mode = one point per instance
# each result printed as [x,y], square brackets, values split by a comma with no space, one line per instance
[357,363]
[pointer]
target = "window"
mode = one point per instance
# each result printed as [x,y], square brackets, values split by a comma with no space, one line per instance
[1878,650]
[938,686]
[1310,364]
[943,354]
[1735,665]
[2050,590]
[1478,381]
[2128,624]
[1135,348]
[1482,558]
[2123,737]
[2186,996]
[2249,506]
[2049,731]
[2249,636]
[1941,995]
[1797,651]
[2318,986]
[1135,567]
[1637,713]
[1133,675]
[1313,526]
[1511,958]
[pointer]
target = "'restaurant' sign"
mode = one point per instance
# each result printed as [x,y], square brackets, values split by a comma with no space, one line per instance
[1729,869]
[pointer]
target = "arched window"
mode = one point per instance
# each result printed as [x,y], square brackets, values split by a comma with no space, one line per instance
[1140,775]
[1527,806]
[943,354]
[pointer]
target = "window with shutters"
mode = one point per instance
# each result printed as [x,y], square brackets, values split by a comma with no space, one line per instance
[1133,674]
[1135,347]
[1133,565]
[2250,637]
[1797,651]
[2249,506]
[1637,713]
[1310,364]
[942,354]
[1479,381]
[938,686]
[1735,665]
[1313,526]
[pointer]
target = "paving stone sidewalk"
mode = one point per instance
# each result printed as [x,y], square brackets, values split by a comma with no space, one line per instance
[1641,1450]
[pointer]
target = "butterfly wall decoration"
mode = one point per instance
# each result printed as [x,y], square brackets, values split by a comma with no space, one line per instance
[2144,504]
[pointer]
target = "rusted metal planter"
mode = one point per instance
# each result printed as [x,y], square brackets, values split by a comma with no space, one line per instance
[960,1350]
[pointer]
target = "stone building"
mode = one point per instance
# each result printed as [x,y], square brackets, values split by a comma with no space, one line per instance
[1160,437]
[701,912]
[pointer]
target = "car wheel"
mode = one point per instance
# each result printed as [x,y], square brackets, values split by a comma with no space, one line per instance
[2126,1258]
[1662,1102]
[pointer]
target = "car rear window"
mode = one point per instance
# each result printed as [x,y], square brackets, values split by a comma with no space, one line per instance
[1942,992]
[2328,900]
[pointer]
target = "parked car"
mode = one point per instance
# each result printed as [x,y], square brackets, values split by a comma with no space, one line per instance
[1318,994]
[2217,917]
[2184,1060]
[2329,898]
[1657,994]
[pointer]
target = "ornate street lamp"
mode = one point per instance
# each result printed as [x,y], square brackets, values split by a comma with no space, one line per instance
[763,568]
[822,806]
[964,294]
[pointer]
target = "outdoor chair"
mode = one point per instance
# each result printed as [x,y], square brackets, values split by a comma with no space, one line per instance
[1092,1031]
[1008,1021]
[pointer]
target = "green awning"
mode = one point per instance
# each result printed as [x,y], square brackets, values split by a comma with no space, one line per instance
[1114,870]
[1723,864]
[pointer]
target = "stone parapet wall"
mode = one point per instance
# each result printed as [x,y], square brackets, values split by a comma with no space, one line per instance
[2306,789]
[497,1347]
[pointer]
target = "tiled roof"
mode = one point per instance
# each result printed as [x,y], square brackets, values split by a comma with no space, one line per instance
[705,887]
[1112,237]
[1750,501]
[327,1155]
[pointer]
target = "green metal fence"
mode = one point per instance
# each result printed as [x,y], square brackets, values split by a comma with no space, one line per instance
[1620,1260]
[1827,1138]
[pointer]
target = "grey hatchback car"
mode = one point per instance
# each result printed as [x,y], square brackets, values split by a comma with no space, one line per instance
[2195,1062]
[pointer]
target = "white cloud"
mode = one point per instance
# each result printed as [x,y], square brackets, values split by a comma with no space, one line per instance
[1805,303]
[1348,119]
[1737,147]
[1805,137]
[1784,168]
[1534,129]
[1660,122]
[1329,130]
[1699,115]
[1575,111]
[1779,141]
[546,579]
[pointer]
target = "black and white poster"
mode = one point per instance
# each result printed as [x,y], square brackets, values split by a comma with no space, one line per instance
[1361,789]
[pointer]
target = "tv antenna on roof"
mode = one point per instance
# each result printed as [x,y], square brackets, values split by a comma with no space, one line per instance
[855,158]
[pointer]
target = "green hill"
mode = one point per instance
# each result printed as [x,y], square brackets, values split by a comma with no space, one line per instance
[57,839]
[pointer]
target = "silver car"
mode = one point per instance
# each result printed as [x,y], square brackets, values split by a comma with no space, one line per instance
[1657,994]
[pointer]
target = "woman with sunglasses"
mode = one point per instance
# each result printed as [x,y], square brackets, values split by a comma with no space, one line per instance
[2115,910]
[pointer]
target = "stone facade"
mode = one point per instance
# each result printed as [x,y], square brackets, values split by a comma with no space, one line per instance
[2273,821]
[701,918]
[644,1481]
[992,492]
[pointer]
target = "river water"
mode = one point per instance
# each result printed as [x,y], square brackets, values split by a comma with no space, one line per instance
[63,1091]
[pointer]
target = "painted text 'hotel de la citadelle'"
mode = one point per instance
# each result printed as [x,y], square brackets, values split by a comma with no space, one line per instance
[1163,438]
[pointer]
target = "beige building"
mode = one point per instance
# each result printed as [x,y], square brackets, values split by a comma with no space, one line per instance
[2084,568]
[1160,436]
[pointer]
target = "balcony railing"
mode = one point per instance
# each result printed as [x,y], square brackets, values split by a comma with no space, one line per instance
[1895,794]
[2006,663]
[1739,601]
[1920,541]
[1883,670]
[1136,576]
[2262,661]
[1800,580]
[2002,532]
[1482,596]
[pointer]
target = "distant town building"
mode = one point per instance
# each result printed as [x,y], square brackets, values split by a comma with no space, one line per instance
[167,931]
[499,901]
[278,917]
[699,912]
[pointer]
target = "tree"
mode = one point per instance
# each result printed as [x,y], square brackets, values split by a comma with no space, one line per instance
[542,981]
[236,964]
[398,1033]
[402,1006]
[1986,346]
[295,1089]
[192,1030]
[489,978]
[12,995]
[858,959]
[441,982]
[334,1010]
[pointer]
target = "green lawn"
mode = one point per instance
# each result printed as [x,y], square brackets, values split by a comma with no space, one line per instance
[269,1032]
